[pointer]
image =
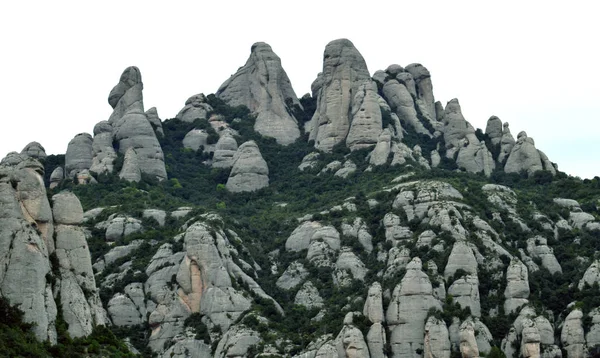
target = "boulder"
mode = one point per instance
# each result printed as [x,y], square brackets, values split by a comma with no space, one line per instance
[225,150]
[34,150]
[196,139]
[591,275]
[538,248]
[263,86]
[58,174]
[344,71]
[196,107]
[381,152]
[249,171]
[348,267]
[79,154]
[461,257]
[465,292]
[373,308]
[131,170]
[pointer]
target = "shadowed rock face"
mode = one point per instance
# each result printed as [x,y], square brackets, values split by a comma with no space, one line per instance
[131,127]
[263,86]
[344,70]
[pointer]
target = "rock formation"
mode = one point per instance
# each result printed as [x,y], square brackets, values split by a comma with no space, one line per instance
[525,157]
[572,335]
[263,86]
[249,171]
[344,71]
[493,130]
[517,286]
[411,301]
[225,150]
[34,150]
[79,154]
[131,127]
[436,342]
[366,120]
[196,107]
[154,119]
[103,151]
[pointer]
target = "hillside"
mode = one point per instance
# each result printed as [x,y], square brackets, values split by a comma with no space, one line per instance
[364,220]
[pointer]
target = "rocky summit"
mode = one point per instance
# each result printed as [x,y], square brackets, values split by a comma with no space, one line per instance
[366,219]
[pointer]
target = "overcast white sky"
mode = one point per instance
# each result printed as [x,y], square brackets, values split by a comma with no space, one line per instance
[535,64]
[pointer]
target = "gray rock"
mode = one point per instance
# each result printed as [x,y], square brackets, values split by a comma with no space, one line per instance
[250,171]
[156,214]
[572,335]
[366,122]
[523,156]
[79,154]
[348,267]
[58,174]
[224,151]
[196,107]
[465,292]
[507,142]
[308,296]
[591,275]
[538,248]
[517,286]
[344,71]
[545,329]
[530,341]
[411,301]
[350,341]
[592,337]
[494,130]
[67,209]
[436,342]
[373,308]
[309,161]
[381,152]
[346,170]
[461,257]
[460,139]
[188,347]
[120,226]
[103,151]
[424,88]
[360,231]
[403,105]
[131,128]
[292,277]
[376,340]
[196,139]
[154,119]
[131,170]
[468,343]
[34,150]
[236,342]
[263,86]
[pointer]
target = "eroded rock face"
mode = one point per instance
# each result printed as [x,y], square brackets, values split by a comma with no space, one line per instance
[411,300]
[308,296]
[461,257]
[131,127]
[79,154]
[103,151]
[517,286]
[263,86]
[468,344]
[465,291]
[424,90]
[494,130]
[530,340]
[572,335]
[538,248]
[366,118]
[525,157]
[460,139]
[591,275]
[34,150]
[23,252]
[154,119]
[196,107]
[225,150]
[344,71]
[436,342]
[507,142]
[250,171]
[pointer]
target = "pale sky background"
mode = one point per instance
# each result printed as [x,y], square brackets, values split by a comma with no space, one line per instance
[535,64]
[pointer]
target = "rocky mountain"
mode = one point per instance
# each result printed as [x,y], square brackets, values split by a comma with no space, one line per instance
[365,219]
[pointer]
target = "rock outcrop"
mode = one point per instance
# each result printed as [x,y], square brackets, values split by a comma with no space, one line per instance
[366,119]
[196,107]
[525,157]
[103,151]
[517,286]
[462,144]
[131,127]
[225,150]
[572,335]
[250,171]
[34,150]
[154,119]
[437,341]
[263,86]
[493,129]
[344,71]
[406,314]
[79,154]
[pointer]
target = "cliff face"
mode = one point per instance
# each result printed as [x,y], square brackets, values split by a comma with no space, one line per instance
[385,225]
